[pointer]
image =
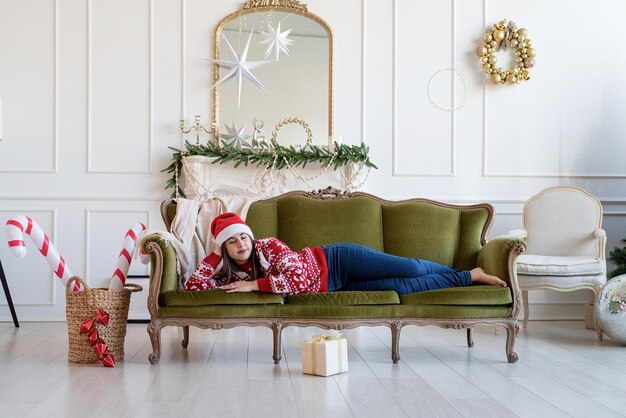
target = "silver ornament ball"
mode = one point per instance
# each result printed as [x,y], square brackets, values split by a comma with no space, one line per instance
[611,308]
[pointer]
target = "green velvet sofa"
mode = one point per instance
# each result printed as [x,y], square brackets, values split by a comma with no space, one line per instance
[449,234]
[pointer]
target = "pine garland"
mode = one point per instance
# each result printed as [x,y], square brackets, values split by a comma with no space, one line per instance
[618,256]
[345,154]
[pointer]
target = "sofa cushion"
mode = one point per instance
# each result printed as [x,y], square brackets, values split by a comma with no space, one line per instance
[262,219]
[544,265]
[422,230]
[349,298]
[305,222]
[218,297]
[561,282]
[479,295]
[475,222]
[449,236]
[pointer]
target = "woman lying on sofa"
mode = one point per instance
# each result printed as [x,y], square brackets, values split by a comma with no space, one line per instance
[242,264]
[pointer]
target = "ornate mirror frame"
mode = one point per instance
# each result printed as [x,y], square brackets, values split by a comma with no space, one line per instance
[266,6]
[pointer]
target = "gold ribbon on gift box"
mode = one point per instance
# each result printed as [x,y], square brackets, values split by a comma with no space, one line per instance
[320,339]
[324,337]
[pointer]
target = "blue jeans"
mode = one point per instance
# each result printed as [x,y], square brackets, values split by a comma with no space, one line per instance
[356,267]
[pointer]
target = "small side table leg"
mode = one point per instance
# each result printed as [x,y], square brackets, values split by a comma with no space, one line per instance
[5,285]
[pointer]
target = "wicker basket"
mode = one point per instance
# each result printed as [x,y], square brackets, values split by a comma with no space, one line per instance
[81,306]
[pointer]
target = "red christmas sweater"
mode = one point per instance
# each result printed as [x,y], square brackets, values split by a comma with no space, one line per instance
[284,271]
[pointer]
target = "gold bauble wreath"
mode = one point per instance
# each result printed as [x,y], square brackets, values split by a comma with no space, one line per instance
[501,36]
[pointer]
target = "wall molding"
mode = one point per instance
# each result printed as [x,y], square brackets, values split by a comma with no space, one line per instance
[555,311]
[548,175]
[519,213]
[452,200]
[86,198]
[55,100]
[394,101]
[498,200]
[53,237]
[363,72]
[183,57]
[89,117]
[55,163]
[487,173]
[88,213]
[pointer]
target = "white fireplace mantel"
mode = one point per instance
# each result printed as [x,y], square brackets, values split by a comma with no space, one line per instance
[204,179]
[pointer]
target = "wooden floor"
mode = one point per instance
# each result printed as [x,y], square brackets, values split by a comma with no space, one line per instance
[563,371]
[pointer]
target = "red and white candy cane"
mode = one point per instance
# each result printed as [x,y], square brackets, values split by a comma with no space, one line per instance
[20,225]
[118,280]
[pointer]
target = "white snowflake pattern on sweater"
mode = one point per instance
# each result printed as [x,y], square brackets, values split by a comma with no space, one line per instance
[205,276]
[284,271]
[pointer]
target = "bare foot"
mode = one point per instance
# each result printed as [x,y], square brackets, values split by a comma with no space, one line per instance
[480,277]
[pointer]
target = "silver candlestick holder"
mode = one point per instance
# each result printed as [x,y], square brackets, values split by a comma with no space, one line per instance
[197,127]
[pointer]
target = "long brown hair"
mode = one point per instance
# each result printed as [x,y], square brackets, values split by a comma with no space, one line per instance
[229,265]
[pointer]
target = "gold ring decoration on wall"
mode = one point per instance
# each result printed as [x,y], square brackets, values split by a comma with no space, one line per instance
[501,36]
[465,85]
[307,129]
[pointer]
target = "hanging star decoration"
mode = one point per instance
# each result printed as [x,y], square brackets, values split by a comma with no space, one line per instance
[235,136]
[239,67]
[277,41]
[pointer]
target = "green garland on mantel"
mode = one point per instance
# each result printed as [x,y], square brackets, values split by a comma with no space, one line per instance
[345,154]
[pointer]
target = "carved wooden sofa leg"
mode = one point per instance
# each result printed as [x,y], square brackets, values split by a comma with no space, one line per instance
[277,328]
[512,329]
[470,337]
[185,341]
[154,331]
[395,326]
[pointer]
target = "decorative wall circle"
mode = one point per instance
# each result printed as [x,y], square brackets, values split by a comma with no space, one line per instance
[501,36]
[465,83]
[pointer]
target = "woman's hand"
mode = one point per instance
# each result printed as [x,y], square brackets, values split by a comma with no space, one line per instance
[218,250]
[241,286]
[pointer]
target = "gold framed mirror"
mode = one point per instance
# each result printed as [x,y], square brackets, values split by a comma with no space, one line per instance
[296,79]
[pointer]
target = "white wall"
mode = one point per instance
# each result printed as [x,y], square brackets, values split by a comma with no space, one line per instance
[92,92]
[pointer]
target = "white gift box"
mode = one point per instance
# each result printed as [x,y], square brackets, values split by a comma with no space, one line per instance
[325,355]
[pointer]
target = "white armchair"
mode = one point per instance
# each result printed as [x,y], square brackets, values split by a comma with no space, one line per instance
[565,243]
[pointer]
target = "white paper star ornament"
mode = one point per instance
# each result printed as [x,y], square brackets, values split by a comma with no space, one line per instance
[239,68]
[235,136]
[277,41]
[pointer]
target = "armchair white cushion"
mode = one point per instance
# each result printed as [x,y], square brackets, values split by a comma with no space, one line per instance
[565,243]
[550,265]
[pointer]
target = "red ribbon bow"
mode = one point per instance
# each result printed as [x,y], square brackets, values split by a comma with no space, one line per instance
[94,340]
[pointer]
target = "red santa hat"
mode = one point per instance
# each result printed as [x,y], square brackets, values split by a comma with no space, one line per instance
[226,225]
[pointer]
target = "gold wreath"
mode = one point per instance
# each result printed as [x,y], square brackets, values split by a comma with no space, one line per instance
[307,129]
[501,36]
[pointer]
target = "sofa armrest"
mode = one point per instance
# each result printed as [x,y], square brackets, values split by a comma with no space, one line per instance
[499,258]
[163,269]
